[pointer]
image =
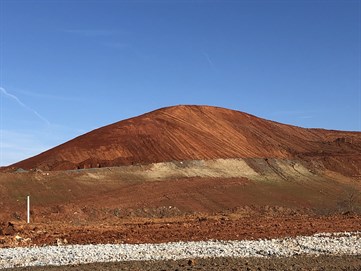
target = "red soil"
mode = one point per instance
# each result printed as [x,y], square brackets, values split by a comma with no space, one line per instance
[192,228]
[308,181]
[196,132]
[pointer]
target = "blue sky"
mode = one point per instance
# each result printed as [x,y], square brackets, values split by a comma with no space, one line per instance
[68,67]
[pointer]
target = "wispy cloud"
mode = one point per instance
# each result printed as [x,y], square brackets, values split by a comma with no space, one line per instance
[92,32]
[19,102]
[209,60]
[105,37]
[295,114]
[117,45]
[16,146]
[47,96]
[306,117]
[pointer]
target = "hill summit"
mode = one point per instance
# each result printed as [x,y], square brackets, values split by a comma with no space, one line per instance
[189,132]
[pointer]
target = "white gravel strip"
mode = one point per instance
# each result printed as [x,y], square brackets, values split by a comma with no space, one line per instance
[348,243]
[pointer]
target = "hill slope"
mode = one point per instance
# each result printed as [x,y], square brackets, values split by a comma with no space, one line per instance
[193,133]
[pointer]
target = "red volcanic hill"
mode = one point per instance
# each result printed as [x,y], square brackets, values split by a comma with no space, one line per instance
[191,133]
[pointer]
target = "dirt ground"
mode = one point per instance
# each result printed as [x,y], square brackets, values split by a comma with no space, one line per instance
[301,263]
[115,205]
[210,174]
[192,228]
[189,201]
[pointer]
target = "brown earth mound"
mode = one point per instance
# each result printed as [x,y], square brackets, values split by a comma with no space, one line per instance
[199,132]
[185,173]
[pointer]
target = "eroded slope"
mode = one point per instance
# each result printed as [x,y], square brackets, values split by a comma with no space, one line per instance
[199,132]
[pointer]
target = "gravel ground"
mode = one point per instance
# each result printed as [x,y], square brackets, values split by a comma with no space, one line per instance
[320,244]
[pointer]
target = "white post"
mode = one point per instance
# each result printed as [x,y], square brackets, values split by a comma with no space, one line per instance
[28,209]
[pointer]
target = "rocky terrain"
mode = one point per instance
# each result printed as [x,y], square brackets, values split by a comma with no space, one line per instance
[183,133]
[186,173]
[320,244]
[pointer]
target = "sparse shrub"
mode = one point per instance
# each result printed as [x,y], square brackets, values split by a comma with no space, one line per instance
[350,201]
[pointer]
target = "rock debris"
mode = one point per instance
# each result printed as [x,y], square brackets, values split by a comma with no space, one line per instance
[347,243]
